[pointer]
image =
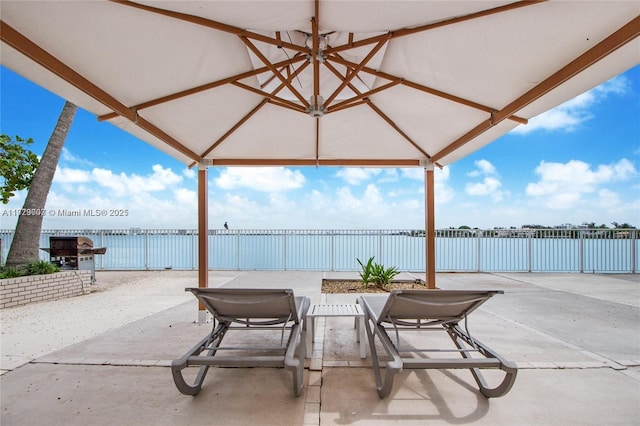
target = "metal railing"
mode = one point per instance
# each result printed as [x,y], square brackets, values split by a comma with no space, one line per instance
[512,250]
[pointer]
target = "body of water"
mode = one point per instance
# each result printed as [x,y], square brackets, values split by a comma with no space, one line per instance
[337,250]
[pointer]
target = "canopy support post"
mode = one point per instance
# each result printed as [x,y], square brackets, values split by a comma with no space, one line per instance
[429,226]
[203,236]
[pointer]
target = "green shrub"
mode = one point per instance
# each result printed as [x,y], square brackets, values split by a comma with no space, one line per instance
[377,273]
[366,275]
[41,267]
[9,273]
[382,276]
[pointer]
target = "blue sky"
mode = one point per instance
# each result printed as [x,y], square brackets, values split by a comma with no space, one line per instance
[577,163]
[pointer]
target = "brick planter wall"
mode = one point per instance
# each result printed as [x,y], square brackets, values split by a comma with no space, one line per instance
[40,288]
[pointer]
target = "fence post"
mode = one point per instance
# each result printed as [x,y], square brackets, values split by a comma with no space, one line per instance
[146,249]
[529,251]
[581,252]
[101,245]
[238,247]
[284,249]
[633,236]
[333,251]
[194,243]
[479,250]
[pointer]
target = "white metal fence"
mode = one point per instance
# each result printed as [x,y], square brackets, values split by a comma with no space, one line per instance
[513,250]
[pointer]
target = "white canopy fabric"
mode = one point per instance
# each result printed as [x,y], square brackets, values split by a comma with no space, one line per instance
[397,83]
[324,82]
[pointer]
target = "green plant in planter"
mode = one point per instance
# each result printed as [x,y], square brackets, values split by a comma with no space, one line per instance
[366,275]
[41,267]
[382,276]
[9,273]
[377,273]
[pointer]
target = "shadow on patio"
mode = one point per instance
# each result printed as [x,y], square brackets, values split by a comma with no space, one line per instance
[574,338]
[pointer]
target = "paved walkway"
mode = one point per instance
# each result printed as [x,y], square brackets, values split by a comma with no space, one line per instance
[103,358]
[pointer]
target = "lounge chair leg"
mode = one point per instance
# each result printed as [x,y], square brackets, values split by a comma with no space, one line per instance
[296,364]
[502,388]
[391,368]
[214,338]
[182,385]
[374,356]
[456,334]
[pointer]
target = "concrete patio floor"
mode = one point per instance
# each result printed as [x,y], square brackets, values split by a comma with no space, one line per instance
[102,358]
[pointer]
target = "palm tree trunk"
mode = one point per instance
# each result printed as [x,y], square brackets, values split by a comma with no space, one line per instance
[26,240]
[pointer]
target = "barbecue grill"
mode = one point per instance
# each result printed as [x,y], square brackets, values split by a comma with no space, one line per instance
[74,253]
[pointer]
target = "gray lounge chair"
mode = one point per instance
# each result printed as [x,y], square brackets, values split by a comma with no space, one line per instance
[428,310]
[248,310]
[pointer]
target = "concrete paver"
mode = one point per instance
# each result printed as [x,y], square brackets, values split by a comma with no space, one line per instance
[32,331]
[539,397]
[44,394]
[574,338]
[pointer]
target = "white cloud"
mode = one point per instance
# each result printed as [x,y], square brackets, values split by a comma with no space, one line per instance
[372,194]
[68,157]
[571,114]
[264,179]
[154,200]
[244,212]
[608,199]
[573,192]
[344,209]
[67,175]
[357,175]
[559,118]
[119,185]
[280,203]
[414,173]
[189,173]
[562,185]
[319,201]
[484,168]
[388,175]
[444,193]
[185,196]
[347,201]
[618,85]
[123,184]
[144,210]
[489,186]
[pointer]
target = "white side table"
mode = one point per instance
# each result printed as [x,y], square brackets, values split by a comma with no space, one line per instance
[337,310]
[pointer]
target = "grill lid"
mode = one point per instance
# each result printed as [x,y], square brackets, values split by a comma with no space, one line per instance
[72,246]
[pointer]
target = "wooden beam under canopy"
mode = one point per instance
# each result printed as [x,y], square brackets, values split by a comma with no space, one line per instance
[619,38]
[268,97]
[213,25]
[340,60]
[397,128]
[356,70]
[203,87]
[409,31]
[274,70]
[346,162]
[235,127]
[40,56]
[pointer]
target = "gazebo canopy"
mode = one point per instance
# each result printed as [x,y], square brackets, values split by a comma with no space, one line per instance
[366,83]
[352,83]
